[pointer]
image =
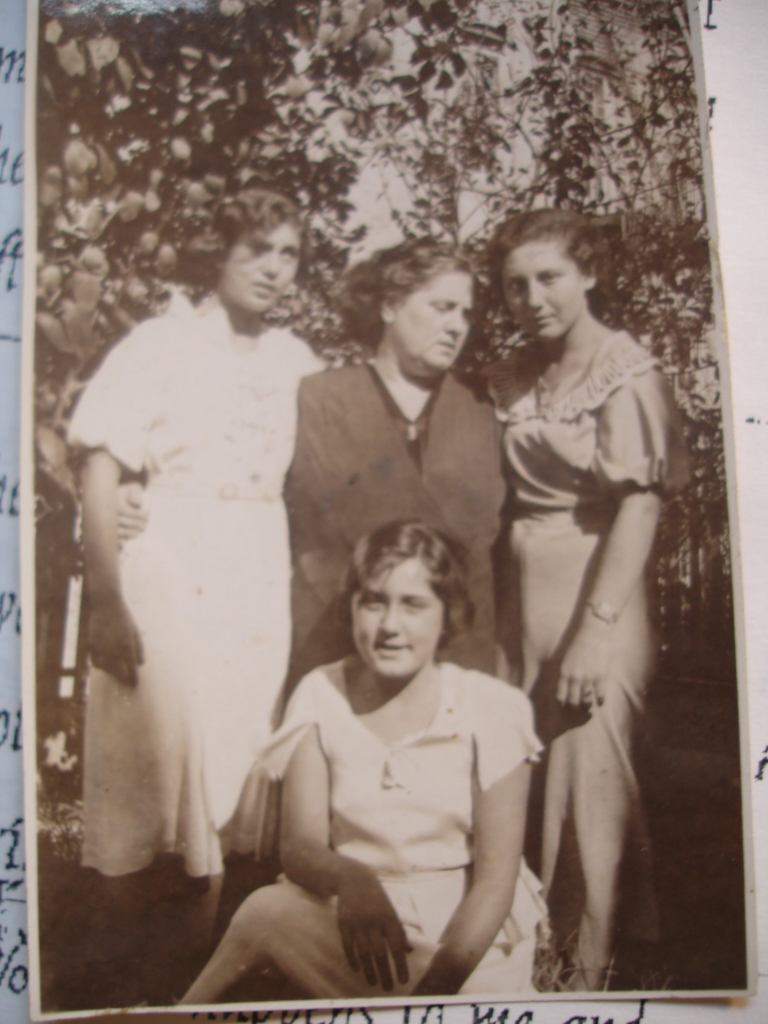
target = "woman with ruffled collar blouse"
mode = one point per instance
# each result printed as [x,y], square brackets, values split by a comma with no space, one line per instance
[593,444]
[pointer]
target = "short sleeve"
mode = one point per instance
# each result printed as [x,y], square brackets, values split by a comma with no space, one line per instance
[114,409]
[302,713]
[503,730]
[639,437]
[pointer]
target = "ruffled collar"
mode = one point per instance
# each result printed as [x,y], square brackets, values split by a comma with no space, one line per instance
[519,393]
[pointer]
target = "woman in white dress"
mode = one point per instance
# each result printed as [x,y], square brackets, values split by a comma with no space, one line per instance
[189,625]
[405,785]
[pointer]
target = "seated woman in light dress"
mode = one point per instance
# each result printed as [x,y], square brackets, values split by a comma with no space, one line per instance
[189,625]
[594,446]
[405,787]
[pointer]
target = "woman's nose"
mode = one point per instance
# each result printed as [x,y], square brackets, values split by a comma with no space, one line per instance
[457,323]
[390,620]
[535,296]
[270,264]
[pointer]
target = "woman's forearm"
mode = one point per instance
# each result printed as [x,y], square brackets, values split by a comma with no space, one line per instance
[625,554]
[305,851]
[499,824]
[318,868]
[99,481]
[473,927]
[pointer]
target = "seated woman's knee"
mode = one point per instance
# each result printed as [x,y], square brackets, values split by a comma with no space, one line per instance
[257,919]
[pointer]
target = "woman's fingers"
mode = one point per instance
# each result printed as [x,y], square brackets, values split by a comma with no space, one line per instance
[383,970]
[348,943]
[399,947]
[374,951]
[575,691]
[601,686]
[365,958]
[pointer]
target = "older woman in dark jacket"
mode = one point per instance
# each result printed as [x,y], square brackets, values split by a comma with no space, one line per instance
[399,437]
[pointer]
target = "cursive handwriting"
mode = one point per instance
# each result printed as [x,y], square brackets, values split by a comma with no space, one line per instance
[12,66]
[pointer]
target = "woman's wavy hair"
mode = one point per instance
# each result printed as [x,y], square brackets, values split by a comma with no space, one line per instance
[389,276]
[444,558]
[249,215]
[575,232]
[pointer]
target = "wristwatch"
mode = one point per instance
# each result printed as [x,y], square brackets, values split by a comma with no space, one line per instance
[603,611]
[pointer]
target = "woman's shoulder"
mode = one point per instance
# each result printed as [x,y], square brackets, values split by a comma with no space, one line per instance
[469,389]
[497,716]
[145,348]
[334,388]
[619,362]
[512,379]
[321,688]
[480,692]
[620,359]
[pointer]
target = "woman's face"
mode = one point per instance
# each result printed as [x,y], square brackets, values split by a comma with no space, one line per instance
[257,273]
[397,621]
[427,329]
[545,290]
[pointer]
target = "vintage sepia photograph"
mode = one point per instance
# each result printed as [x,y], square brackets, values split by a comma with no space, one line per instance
[380,629]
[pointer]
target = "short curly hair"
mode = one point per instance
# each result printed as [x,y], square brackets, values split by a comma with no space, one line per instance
[574,231]
[389,276]
[254,213]
[248,215]
[444,558]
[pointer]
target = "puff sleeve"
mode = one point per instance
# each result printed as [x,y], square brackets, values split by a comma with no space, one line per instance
[503,730]
[639,438]
[303,712]
[114,411]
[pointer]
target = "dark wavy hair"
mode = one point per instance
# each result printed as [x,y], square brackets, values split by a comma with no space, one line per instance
[389,276]
[444,558]
[574,231]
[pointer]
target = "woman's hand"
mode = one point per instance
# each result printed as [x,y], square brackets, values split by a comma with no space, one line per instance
[371,932]
[584,668]
[114,641]
[132,517]
[443,977]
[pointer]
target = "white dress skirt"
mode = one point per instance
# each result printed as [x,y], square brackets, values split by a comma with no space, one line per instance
[212,429]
